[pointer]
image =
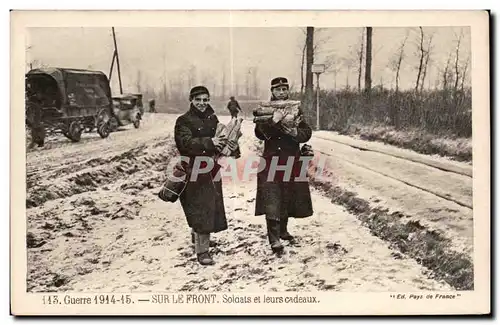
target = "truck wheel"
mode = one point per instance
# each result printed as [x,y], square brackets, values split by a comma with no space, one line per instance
[137,123]
[103,130]
[113,124]
[75,131]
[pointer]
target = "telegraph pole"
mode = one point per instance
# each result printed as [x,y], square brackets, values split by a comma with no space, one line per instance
[117,61]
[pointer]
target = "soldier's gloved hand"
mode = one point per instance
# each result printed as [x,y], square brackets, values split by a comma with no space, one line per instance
[289,130]
[278,115]
[219,141]
[232,145]
[216,142]
[298,120]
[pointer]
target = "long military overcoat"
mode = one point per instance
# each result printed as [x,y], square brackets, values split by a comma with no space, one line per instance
[282,197]
[202,199]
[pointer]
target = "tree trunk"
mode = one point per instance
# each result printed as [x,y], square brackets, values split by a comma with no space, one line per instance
[166,91]
[360,56]
[397,75]
[446,73]
[464,73]
[457,70]
[347,77]
[302,69]
[368,69]
[426,63]
[255,84]
[421,62]
[309,63]
[247,83]
[424,72]
[400,60]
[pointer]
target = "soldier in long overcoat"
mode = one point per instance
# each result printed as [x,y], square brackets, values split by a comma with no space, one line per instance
[282,197]
[34,113]
[202,199]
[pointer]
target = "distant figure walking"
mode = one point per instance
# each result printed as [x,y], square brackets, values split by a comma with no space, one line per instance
[152,108]
[234,107]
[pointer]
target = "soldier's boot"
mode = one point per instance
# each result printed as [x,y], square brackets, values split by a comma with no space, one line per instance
[205,258]
[273,234]
[212,243]
[201,247]
[284,234]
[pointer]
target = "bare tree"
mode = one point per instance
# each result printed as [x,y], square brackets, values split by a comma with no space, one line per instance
[397,60]
[255,83]
[457,58]
[447,74]
[247,82]
[318,40]
[191,76]
[381,82]
[333,66]
[236,85]
[223,83]
[206,79]
[421,57]
[348,62]
[164,78]
[464,73]
[171,87]
[426,60]
[360,57]
[368,70]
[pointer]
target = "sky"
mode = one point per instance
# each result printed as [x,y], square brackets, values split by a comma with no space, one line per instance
[207,55]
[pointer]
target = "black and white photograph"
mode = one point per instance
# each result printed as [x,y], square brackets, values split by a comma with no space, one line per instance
[219,163]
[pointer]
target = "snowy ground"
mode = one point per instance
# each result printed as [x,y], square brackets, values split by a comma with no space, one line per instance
[96,224]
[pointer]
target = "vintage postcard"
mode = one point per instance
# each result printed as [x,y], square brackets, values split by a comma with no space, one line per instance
[250,163]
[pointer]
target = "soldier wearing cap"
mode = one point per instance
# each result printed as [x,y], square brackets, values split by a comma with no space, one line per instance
[202,199]
[280,197]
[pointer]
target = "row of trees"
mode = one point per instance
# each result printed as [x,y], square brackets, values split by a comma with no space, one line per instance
[453,75]
[176,85]
[446,109]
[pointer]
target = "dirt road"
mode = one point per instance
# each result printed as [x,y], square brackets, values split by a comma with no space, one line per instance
[96,224]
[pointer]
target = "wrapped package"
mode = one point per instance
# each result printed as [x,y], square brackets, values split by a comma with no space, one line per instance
[176,183]
[233,130]
[220,139]
[265,111]
[292,107]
